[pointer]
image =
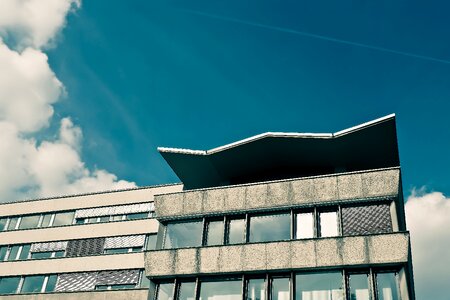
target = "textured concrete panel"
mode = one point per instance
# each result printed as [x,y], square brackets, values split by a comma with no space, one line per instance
[214,200]
[329,252]
[354,250]
[256,196]
[303,254]
[254,257]
[160,262]
[380,183]
[280,194]
[139,294]
[209,259]
[193,203]
[326,188]
[231,258]
[235,198]
[186,261]
[350,187]
[389,248]
[278,256]
[169,206]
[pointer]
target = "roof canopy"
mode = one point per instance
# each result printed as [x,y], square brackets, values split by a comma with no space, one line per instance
[277,155]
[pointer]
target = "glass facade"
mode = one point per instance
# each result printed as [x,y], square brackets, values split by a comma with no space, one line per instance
[186,234]
[359,286]
[319,286]
[3,223]
[329,224]
[25,252]
[215,233]
[304,226]
[186,291]
[13,251]
[236,231]
[13,223]
[65,218]
[387,286]
[9,285]
[221,290]
[28,222]
[256,289]
[46,220]
[32,284]
[136,216]
[51,283]
[280,289]
[274,227]
[151,242]
[165,291]
[41,255]
[3,251]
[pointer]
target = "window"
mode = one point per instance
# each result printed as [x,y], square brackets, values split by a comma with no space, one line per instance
[256,289]
[51,283]
[236,231]
[359,286]
[116,251]
[3,223]
[319,286]
[329,224]
[186,234]
[144,282]
[25,251]
[280,289]
[9,285]
[274,227]
[92,220]
[217,290]
[13,223]
[304,225]
[3,250]
[104,219]
[114,287]
[80,221]
[47,220]
[117,218]
[186,291]
[151,242]
[136,216]
[33,284]
[387,287]
[29,222]
[165,291]
[214,233]
[41,255]
[13,252]
[59,253]
[65,218]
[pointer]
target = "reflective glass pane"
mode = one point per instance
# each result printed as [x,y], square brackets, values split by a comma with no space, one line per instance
[63,218]
[3,223]
[280,289]
[32,284]
[13,223]
[59,253]
[151,242]
[3,250]
[117,217]
[256,289]
[25,251]
[29,222]
[104,219]
[215,233]
[13,252]
[387,286]
[187,291]
[187,234]
[145,282]
[101,287]
[116,251]
[221,290]
[51,283]
[270,228]
[137,216]
[80,221]
[305,226]
[92,220]
[46,220]
[122,286]
[319,286]
[329,224]
[236,231]
[165,291]
[8,285]
[41,255]
[359,286]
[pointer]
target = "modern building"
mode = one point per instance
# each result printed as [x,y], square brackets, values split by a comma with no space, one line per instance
[281,216]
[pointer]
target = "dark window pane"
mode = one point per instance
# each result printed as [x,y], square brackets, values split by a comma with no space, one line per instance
[116,251]
[104,219]
[46,220]
[41,255]
[51,283]
[319,286]
[280,289]
[136,249]
[80,221]
[215,233]
[165,291]
[387,288]
[13,252]
[187,234]
[122,286]
[305,226]
[3,223]
[25,251]
[59,253]
[8,285]
[187,291]
[270,228]
[63,218]
[3,251]
[145,282]
[29,222]
[92,220]
[137,216]
[13,223]
[101,287]
[32,284]
[221,290]
[256,289]
[236,231]
[329,224]
[151,242]
[359,287]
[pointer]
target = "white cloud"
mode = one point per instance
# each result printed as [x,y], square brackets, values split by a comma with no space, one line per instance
[428,219]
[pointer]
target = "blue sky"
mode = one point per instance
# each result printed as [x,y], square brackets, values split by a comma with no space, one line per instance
[197,74]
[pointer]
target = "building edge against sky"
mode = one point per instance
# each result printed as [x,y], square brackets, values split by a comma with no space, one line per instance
[275,216]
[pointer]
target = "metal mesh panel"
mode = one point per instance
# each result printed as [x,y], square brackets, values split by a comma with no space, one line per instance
[94,212]
[133,208]
[118,277]
[366,219]
[76,282]
[48,246]
[125,241]
[114,210]
[85,247]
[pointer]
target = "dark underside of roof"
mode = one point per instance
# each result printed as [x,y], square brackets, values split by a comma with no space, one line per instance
[272,158]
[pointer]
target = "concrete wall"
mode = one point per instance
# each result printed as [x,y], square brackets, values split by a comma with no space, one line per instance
[278,194]
[138,294]
[289,255]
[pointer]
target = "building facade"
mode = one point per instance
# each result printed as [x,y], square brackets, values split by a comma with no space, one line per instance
[277,216]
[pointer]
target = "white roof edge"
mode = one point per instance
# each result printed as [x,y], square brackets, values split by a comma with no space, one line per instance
[276,134]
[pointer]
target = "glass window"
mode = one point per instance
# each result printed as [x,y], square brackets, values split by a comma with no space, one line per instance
[319,286]
[214,234]
[3,223]
[46,219]
[305,226]
[32,284]
[186,291]
[8,285]
[359,286]
[151,242]
[13,223]
[51,283]
[3,250]
[65,218]
[116,251]
[137,216]
[29,222]
[329,224]
[136,249]
[256,289]
[41,255]
[187,234]
[92,220]
[122,286]
[80,221]
[280,289]
[145,282]
[270,228]
[117,217]
[165,291]
[104,219]
[13,251]
[221,290]
[387,288]
[236,231]
[101,287]
[59,253]
[25,251]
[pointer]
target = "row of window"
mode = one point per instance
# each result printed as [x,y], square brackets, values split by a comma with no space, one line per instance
[334,285]
[287,225]
[24,251]
[112,218]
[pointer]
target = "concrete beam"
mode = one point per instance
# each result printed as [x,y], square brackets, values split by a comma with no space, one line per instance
[138,294]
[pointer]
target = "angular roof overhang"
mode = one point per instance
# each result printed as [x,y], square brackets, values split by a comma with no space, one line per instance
[280,155]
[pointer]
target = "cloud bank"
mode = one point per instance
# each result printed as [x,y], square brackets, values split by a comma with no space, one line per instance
[28,89]
[428,220]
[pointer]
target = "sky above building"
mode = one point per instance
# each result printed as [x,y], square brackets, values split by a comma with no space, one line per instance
[89,90]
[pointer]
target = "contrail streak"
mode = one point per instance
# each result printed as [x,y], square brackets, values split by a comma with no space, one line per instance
[317,36]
